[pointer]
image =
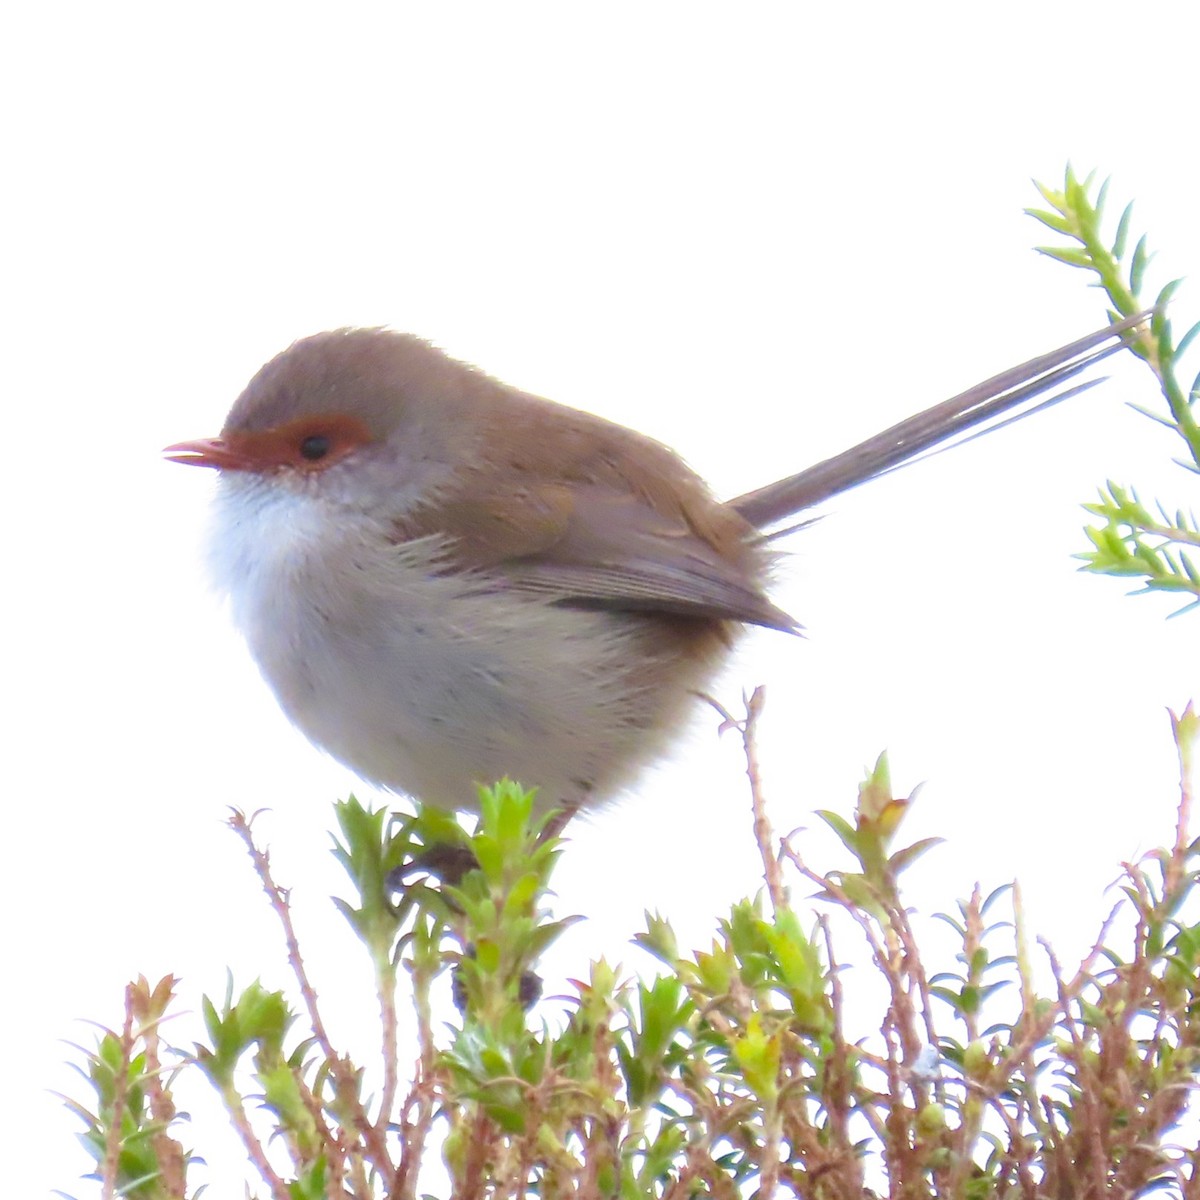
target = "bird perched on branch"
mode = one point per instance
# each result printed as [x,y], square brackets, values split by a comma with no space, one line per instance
[446,580]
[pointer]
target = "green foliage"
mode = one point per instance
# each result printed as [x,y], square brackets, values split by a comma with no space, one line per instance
[730,1073]
[128,1132]
[1131,539]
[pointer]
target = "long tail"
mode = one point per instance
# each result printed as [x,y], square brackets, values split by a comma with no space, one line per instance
[903,442]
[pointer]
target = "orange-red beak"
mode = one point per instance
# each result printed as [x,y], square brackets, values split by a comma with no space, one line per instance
[211,452]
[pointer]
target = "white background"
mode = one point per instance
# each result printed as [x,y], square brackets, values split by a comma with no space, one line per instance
[758,232]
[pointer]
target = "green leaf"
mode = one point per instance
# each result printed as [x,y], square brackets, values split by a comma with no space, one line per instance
[845,831]
[1137,270]
[1057,222]
[1167,294]
[1119,242]
[1064,254]
[759,1054]
[903,859]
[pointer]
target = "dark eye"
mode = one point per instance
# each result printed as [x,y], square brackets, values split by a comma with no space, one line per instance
[315,446]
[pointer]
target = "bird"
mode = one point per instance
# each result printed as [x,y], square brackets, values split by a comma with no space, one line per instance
[446,580]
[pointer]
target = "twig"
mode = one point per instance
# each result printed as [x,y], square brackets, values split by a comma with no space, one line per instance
[254,1149]
[345,1077]
[1086,1091]
[112,1139]
[764,835]
[385,989]
[1176,865]
[148,1006]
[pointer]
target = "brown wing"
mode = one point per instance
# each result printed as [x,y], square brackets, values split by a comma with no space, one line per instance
[590,546]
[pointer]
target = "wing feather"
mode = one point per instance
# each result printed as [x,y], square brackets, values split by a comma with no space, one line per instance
[592,547]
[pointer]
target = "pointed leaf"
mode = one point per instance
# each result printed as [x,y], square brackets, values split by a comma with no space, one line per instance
[1118,247]
[1073,258]
[903,859]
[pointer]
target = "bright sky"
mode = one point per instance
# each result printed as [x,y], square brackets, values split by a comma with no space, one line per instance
[758,232]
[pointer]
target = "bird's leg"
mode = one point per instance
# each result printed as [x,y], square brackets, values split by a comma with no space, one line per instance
[445,862]
[558,822]
[448,863]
